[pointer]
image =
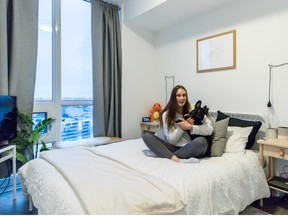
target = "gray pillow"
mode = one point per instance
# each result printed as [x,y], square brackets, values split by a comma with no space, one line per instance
[219,137]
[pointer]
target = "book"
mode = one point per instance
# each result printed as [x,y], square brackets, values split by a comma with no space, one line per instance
[279,182]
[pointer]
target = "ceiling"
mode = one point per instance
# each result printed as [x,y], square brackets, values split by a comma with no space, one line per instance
[172,12]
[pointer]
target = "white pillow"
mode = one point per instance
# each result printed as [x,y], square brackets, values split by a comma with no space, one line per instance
[237,138]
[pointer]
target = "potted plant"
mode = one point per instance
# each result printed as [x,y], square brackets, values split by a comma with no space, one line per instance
[28,136]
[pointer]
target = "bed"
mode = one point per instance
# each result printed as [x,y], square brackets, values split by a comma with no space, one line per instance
[120,179]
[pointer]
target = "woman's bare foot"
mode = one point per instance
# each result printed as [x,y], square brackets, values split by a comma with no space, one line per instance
[175,158]
[189,160]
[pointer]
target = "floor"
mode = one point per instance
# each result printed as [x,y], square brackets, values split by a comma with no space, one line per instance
[274,205]
[20,206]
[8,206]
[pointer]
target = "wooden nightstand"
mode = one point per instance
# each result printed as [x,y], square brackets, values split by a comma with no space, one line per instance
[114,140]
[149,127]
[274,148]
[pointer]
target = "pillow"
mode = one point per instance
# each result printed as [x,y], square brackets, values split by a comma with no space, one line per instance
[236,139]
[242,123]
[83,142]
[219,137]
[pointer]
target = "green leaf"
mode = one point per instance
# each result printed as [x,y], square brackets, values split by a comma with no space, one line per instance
[43,124]
[34,137]
[21,157]
[25,121]
[27,137]
[44,147]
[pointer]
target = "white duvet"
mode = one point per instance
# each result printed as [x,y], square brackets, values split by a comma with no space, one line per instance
[119,179]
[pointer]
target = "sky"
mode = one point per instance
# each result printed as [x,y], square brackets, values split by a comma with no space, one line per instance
[76,60]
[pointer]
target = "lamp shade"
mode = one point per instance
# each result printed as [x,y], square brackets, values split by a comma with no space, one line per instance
[271,117]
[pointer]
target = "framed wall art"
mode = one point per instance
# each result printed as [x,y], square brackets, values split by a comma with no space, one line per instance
[217,52]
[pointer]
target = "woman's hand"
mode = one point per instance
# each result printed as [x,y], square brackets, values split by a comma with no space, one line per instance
[186,124]
[190,120]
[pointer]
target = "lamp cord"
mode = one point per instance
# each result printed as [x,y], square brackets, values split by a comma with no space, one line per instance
[7,178]
[269,104]
[166,86]
[284,174]
[269,91]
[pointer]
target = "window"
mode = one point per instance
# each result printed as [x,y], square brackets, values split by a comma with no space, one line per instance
[39,117]
[64,67]
[76,56]
[44,81]
[76,122]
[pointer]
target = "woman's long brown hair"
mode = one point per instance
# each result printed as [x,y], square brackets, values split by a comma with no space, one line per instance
[172,106]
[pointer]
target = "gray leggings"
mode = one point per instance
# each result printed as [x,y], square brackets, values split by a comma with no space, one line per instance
[195,148]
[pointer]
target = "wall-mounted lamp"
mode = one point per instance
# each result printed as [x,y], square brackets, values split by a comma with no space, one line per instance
[169,85]
[270,111]
[269,104]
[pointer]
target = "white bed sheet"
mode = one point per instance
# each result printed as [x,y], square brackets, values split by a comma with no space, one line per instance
[217,185]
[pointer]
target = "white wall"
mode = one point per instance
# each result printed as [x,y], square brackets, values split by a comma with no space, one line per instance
[135,8]
[139,78]
[262,39]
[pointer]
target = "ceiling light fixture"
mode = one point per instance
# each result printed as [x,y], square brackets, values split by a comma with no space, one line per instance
[45,27]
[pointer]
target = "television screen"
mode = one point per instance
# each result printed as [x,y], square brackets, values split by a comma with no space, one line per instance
[8,118]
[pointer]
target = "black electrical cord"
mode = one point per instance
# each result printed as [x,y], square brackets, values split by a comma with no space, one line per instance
[284,173]
[166,86]
[8,177]
[269,104]
[269,91]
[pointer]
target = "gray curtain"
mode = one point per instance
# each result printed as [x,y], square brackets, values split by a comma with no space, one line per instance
[18,50]
[107,69]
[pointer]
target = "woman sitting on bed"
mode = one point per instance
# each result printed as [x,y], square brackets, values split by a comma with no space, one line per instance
[177,144]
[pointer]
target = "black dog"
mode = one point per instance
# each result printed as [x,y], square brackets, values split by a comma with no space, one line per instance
[197,113]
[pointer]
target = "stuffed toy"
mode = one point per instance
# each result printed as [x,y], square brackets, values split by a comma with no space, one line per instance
[155,112]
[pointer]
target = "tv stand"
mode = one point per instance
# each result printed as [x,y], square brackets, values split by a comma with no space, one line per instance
[10,152]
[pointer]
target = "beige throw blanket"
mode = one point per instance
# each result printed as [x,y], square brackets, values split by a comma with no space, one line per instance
[105,186]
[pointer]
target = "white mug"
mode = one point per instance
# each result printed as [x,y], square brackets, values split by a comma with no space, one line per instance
[283,133]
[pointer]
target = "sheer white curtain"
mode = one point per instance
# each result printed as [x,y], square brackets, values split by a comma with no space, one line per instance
[107,69]
[18,50]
